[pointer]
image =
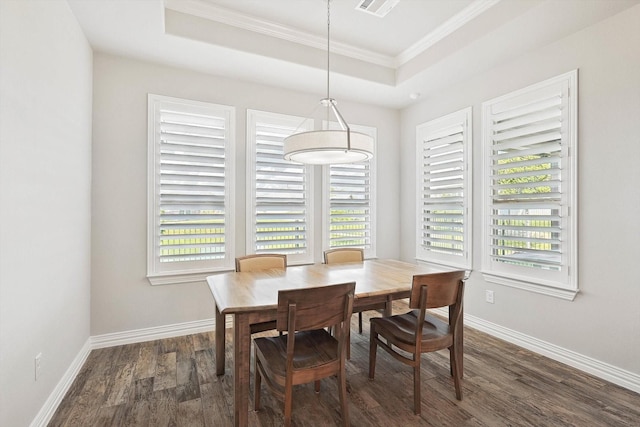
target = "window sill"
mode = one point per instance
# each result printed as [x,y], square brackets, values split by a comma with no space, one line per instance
[180,278]
[441,266]
[566,294]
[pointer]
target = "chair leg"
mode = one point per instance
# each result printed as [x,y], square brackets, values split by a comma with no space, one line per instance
[417,403]
[373,346]
[317,386]
[360,322]
[343,397]
[288,403]
[257,379]
[457,374]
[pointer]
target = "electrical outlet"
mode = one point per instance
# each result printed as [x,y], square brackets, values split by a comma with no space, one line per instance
[38,365]
[488,296]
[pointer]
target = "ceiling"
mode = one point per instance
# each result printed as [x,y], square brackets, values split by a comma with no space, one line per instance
[419,47]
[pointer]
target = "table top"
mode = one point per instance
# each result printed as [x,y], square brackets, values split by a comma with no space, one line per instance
[250,291]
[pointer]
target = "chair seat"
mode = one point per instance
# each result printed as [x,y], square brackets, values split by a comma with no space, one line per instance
[402,328]
[272,351]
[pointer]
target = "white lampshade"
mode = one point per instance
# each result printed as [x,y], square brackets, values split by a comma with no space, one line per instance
[323,147]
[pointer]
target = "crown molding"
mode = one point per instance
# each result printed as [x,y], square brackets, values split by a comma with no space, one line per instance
[449,26]
[216,13]
[225,16]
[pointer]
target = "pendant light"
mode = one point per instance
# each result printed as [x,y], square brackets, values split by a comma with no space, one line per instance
[322,147]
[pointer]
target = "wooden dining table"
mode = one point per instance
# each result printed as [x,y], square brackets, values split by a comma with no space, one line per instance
[252,297]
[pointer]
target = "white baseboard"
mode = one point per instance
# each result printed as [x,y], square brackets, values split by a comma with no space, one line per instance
[605,371]
[149,334]
[51,405]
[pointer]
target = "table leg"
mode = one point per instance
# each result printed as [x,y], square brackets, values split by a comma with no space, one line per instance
[220,342]
[241,368]
[388,307]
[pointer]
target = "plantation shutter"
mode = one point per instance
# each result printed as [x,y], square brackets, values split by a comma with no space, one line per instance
[350,205]
[526,181]
[281,191]
[443,190]
[190,168]
[530,177]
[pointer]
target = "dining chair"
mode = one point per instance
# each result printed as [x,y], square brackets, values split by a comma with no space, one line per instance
[261,262]
[340,255]
[308,352]
[417,332]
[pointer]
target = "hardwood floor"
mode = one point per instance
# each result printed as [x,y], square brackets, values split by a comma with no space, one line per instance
[172,382]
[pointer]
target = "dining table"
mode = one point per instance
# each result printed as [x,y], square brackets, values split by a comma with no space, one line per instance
[252,297]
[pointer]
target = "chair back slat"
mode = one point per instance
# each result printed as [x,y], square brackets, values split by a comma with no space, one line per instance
[442,289]
[316,308]
[260,262]
[334,256]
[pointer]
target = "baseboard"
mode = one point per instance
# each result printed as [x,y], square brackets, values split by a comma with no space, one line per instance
[150,334]
[51,405]
[605,371]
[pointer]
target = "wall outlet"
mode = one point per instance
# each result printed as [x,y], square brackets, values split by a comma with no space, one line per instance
[38,365]
[488,296]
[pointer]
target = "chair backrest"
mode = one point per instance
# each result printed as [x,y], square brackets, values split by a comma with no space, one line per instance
[442,289]
[315,308]
[259,262]
[333,256]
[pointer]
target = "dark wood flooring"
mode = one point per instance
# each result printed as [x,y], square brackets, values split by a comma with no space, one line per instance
[172,382]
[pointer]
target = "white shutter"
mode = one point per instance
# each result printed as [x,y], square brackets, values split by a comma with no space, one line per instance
[443,156]
[190,202]
[281,208]
[350,205]
[527,146]
[526,199]
[349,200]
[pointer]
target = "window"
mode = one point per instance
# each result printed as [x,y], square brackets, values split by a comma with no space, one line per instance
[444,190]
[280,193]
[189,199]
[530,201]
[349,202]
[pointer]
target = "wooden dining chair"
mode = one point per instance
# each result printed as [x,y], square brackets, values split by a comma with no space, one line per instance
[308,352]
[261,262]
[417,332]
[340,255]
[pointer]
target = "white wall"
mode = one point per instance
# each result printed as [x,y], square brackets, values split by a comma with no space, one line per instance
[45,184]
[603,322]
[122,299]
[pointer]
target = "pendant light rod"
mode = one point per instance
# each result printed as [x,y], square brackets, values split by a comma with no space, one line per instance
[328,44]
[330,101]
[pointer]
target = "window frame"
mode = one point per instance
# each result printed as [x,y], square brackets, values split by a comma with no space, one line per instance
[299,124]
[562,284]
[371,250]
[195,271]
[434,128]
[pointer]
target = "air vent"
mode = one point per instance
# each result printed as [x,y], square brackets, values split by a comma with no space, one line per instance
[378,8]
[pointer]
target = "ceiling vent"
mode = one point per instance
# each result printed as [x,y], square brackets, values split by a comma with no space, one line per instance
[378,8]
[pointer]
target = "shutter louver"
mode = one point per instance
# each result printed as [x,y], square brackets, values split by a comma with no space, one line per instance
[442,193]
[281,193]
[526,181]
[191,186]
[350,205]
